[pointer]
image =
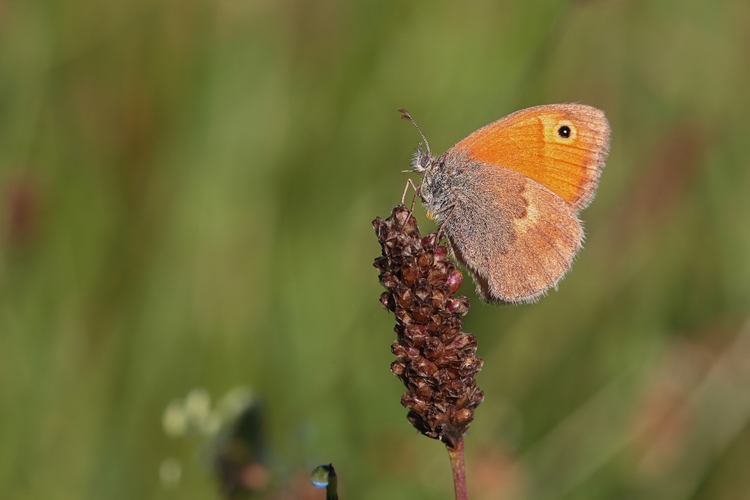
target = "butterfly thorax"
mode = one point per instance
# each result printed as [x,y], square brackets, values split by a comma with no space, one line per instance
[437,187]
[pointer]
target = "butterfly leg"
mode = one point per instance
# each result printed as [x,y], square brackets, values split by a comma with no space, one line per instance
[410,182]
[452,208]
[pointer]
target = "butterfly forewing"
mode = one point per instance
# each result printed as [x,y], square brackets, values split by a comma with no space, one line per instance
[561,146]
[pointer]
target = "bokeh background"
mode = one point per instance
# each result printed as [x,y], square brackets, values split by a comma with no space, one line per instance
[186,196]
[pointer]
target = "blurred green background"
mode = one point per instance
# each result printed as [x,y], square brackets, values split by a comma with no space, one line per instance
[186,196]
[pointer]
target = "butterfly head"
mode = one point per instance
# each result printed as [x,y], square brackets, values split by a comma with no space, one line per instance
[421,160]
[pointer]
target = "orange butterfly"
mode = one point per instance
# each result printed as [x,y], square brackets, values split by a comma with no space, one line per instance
[508,196]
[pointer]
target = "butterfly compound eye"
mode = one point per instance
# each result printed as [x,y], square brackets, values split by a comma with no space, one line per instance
[425,161]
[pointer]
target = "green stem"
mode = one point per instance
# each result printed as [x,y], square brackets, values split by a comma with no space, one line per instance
[331,493]
[456,455]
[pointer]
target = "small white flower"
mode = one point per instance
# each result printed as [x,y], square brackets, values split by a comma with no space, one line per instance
[174,420]
[198,406]
[170,472]
[235,401]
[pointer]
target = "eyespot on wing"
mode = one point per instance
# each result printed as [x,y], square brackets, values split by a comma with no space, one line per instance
[563,147]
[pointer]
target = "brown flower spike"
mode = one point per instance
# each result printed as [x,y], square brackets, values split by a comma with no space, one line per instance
[434,358]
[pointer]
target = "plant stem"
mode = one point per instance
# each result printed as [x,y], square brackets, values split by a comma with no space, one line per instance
[332,488]
[456,455]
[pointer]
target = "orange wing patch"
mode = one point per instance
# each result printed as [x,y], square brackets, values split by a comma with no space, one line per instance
[561,146]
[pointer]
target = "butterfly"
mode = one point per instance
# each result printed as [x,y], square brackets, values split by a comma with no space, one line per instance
[508,196]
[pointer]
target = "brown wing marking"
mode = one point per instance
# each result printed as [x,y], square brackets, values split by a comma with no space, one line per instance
[528,237]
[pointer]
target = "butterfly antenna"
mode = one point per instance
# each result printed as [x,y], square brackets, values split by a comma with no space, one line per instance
[406,116]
